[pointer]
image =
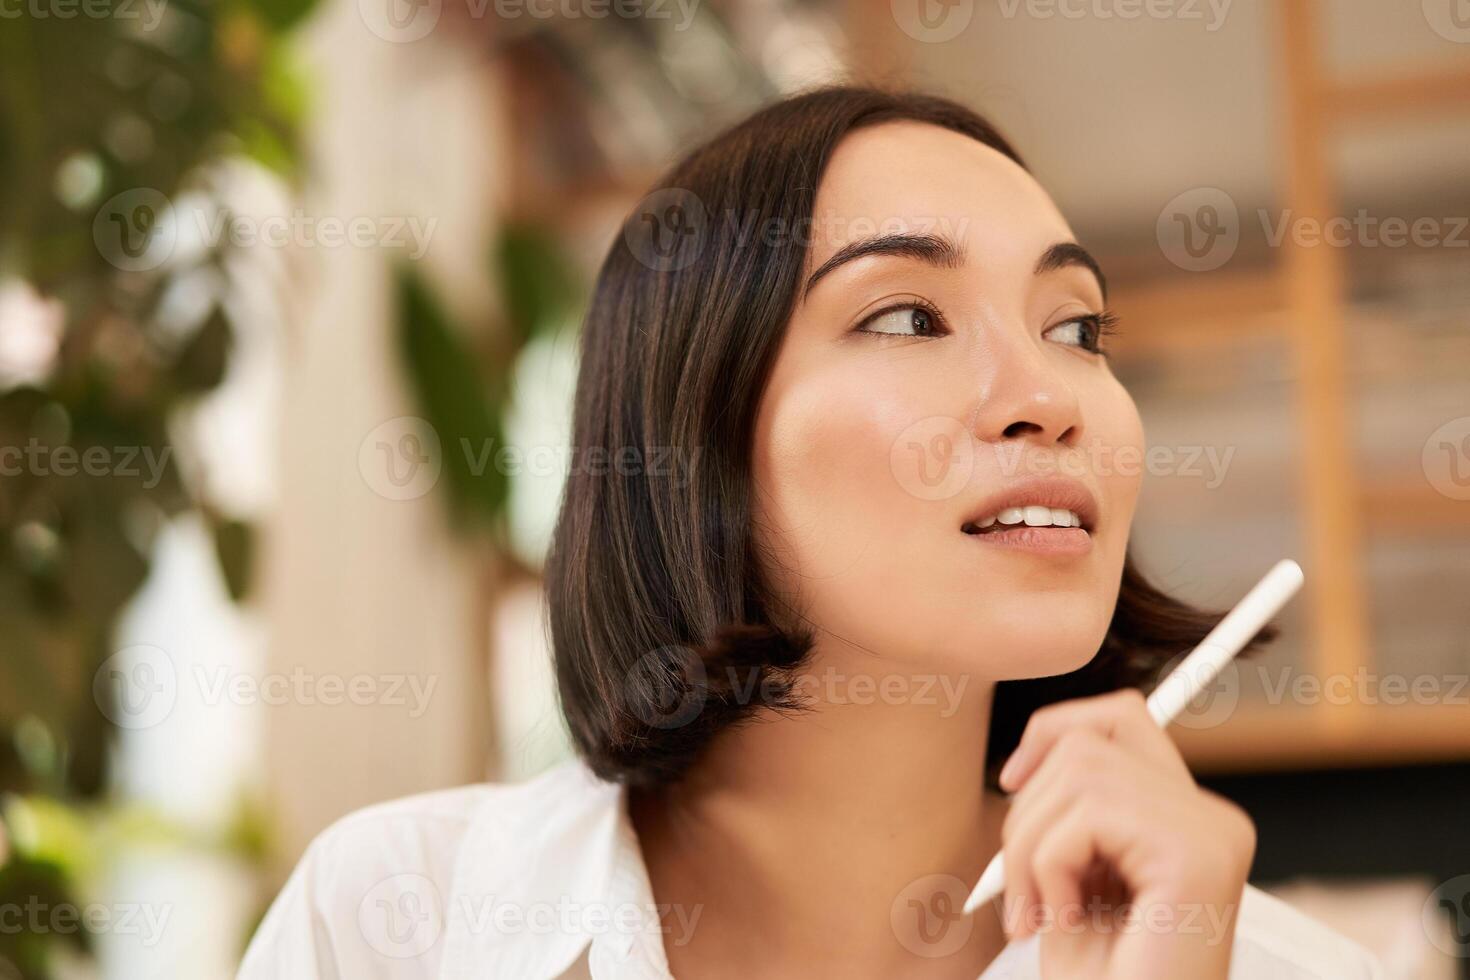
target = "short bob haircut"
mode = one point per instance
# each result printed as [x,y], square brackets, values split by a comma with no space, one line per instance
[662,628]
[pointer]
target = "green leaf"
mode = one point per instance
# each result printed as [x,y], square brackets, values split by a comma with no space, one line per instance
[202,362]
[464,410]
[540,286]
[234,545]
[267,145]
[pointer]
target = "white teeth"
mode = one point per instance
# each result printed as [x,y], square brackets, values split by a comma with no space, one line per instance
[1034,516]
[1038,516]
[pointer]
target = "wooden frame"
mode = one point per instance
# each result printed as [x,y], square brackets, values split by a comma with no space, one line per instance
[1309,288]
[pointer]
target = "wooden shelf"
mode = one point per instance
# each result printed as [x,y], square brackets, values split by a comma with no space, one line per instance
[1277,738]
[1433,91]
[1408,504]
[1305,299]
[1221,308]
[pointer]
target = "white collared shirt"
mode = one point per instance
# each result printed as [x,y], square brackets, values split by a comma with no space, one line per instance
[545,880]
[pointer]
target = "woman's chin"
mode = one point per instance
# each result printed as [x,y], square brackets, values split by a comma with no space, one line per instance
[1043,652]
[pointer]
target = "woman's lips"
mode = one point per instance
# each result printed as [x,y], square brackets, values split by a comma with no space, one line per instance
[1059,541]
[1037,500]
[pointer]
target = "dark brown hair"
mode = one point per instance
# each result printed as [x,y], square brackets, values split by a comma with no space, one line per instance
[662,629]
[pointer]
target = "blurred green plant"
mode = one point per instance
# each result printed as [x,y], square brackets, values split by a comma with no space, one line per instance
[97,100]
[464,390]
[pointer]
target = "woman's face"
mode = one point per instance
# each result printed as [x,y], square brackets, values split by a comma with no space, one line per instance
[939,371]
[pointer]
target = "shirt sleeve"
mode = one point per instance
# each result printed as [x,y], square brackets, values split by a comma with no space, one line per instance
[294,939]
[368,898]
[1275,941]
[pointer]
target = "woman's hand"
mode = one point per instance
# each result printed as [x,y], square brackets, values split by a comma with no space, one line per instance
[1125,867]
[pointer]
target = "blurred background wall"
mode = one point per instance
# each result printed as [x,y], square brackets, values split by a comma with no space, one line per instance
[289,293]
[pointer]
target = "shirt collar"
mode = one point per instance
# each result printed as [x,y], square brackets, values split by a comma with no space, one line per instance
[552,865]
[547,867]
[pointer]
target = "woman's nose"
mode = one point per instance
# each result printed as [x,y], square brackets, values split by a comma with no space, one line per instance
[1030,399]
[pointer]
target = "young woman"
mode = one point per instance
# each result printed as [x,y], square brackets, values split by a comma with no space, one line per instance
[861,507]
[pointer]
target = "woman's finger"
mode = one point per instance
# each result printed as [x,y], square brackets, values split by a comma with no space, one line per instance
[1121,716]
[1076,769]
[1062,860]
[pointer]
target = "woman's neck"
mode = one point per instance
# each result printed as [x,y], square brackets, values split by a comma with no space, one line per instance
[816,833]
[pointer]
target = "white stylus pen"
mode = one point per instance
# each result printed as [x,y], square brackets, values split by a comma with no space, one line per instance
[1187,681]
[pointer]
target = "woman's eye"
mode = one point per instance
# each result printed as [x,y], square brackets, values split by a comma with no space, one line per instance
[1086,332]
[904,321]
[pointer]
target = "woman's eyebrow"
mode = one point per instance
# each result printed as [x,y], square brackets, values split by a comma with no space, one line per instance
[1064,254]
[934,249]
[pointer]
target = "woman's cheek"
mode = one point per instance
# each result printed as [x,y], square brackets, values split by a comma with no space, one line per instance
[825,472]
[1123,464]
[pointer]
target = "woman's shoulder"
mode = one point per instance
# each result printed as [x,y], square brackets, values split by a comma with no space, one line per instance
[439,823]
[426,834]
[380,887]
[1274,939]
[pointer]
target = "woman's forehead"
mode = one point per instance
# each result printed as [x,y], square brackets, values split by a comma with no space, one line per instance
[911,178]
